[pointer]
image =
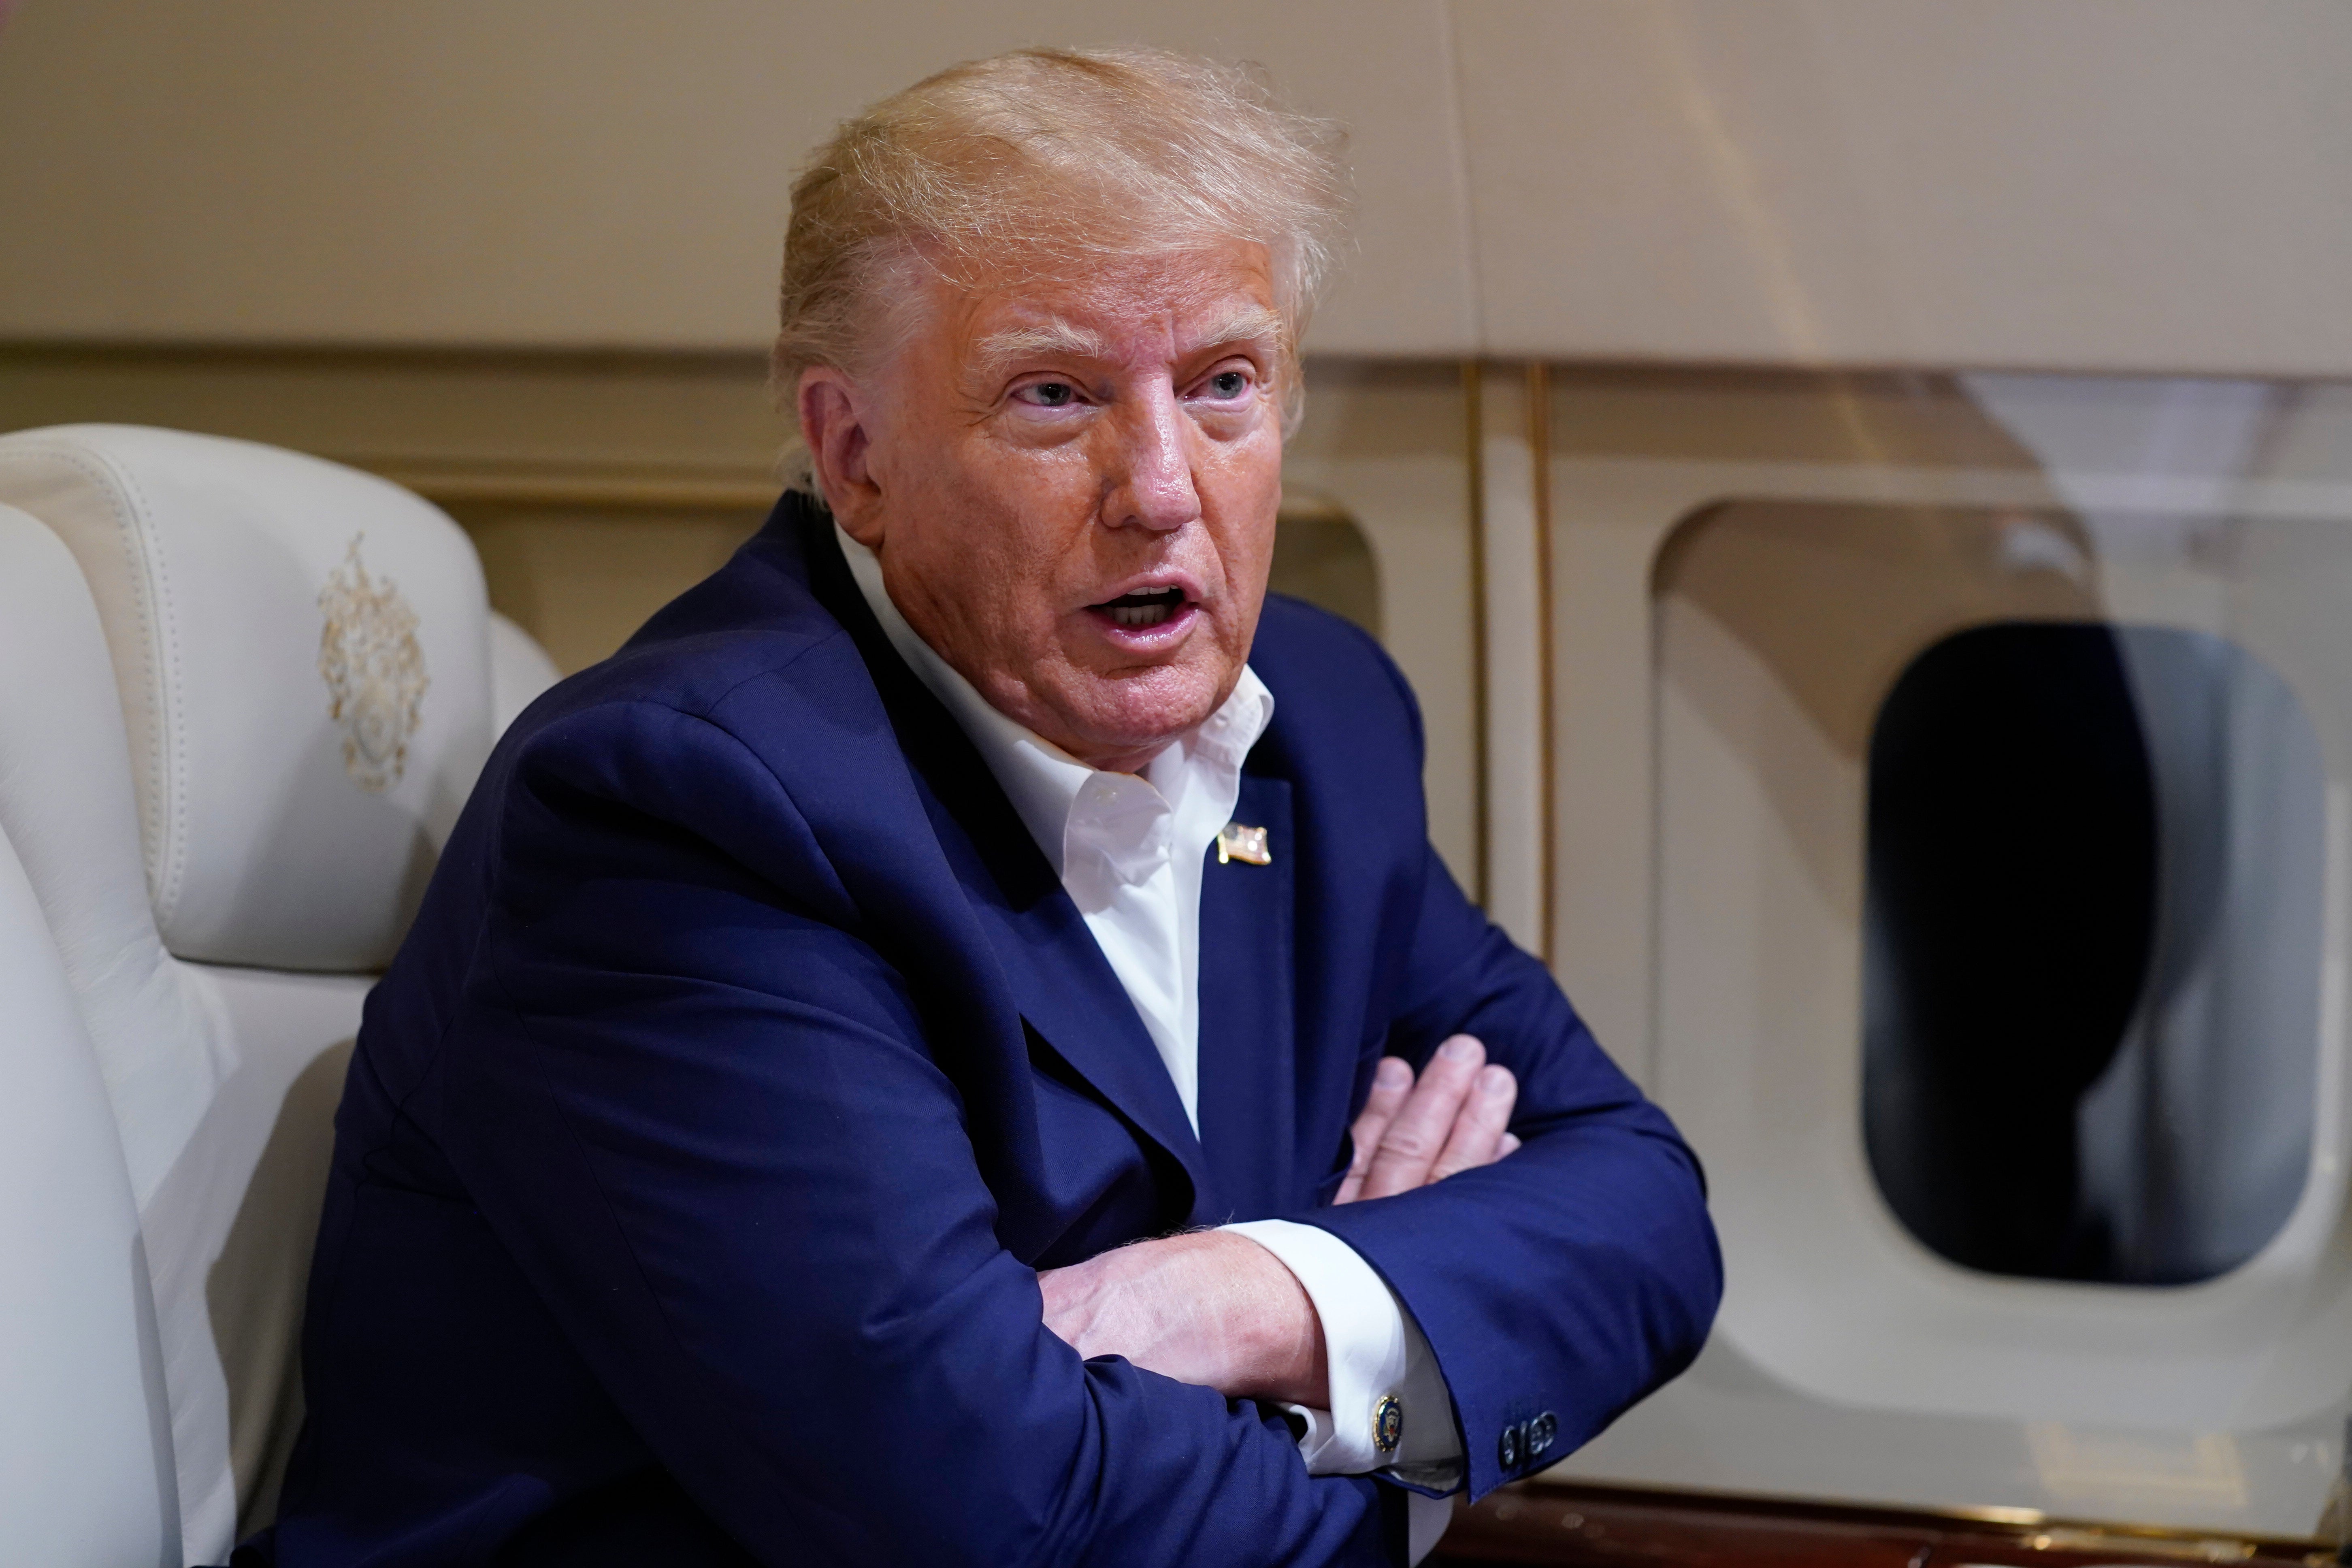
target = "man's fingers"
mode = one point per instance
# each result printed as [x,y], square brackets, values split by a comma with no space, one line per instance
[1481,1125]
[1417,1135]
[1510,1146]
[1392,1082]
[1391,1085]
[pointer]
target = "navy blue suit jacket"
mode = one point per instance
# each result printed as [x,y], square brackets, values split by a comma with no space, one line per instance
[747,1059]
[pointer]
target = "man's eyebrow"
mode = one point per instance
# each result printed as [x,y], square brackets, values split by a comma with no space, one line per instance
[1252,323]
[999,351]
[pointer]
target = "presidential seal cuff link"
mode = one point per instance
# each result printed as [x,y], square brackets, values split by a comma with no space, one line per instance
[1247,845]
[1388,1422]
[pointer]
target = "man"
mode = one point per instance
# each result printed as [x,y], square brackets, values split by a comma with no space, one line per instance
[792,1131]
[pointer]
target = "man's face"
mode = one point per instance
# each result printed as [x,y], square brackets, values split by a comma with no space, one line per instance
[1073,486]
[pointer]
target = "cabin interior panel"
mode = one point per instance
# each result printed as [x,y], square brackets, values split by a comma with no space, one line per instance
[1738,419]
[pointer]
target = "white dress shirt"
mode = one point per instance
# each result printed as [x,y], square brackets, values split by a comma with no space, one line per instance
[1129,849]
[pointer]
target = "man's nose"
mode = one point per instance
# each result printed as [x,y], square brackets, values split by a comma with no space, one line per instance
[1151,484]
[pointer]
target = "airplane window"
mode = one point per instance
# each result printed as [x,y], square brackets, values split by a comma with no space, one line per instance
[2092,951]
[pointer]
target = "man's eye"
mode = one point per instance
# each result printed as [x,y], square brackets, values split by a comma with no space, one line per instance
[1050,394]
[1229,383]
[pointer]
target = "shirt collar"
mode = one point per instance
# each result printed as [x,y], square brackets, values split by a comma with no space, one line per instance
[1043,782]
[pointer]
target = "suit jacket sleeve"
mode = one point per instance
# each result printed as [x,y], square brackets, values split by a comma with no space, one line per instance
[1582,1272]
[710,1122]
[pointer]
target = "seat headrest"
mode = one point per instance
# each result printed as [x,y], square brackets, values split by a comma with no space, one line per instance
[301,652]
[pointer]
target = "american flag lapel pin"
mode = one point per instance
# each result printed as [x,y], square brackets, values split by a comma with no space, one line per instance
[1247,845]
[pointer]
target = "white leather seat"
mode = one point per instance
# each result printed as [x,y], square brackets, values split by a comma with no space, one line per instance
[85,1472]
[226,802]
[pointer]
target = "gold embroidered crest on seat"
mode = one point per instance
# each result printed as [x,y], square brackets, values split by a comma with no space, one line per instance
[374,670]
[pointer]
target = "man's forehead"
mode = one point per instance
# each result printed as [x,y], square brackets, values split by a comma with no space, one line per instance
[1108,336]
[1176,305]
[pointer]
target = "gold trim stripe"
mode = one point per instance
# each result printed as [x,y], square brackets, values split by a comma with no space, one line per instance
[1548,808]
[650,488]
[2068,1534]
[1481,767]
[656,492]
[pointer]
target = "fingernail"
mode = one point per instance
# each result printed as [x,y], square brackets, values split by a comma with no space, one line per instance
[1392,1073]
[1461,1048]
[1495,1082]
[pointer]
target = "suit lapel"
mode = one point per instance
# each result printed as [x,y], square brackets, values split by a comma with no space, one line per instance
[1248,1126]
[1070,996]
[1060,981]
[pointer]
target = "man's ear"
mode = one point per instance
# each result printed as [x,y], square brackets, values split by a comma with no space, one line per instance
[835,423]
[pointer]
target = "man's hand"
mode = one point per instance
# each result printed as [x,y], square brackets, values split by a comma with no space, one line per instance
[1412,1134]
[1208,1307]
[1218,1309]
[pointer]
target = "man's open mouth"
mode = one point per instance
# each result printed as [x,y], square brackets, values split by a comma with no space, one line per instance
[1145,608]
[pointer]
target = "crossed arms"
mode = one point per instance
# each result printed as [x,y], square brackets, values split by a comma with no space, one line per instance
[727,1142]
[1216,1308]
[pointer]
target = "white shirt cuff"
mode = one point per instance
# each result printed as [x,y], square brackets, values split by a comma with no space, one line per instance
[1375,1353]
[1427,1518]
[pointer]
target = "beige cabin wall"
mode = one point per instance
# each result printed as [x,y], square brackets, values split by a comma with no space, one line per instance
[2104,184]
[2098,185]
[1387,445]
[585,173]
[521,257]
[1632,453]
[1743,561]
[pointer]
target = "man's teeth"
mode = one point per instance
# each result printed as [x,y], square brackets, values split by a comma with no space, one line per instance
[1148,608]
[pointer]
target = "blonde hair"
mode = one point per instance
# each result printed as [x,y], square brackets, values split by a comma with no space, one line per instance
[1032,162]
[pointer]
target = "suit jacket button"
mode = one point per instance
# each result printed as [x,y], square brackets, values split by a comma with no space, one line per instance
[1509,1448]
[1540,1432]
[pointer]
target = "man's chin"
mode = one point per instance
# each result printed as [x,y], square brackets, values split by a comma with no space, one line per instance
[1133,719]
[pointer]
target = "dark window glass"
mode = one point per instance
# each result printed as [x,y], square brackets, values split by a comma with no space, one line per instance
[2092,951]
